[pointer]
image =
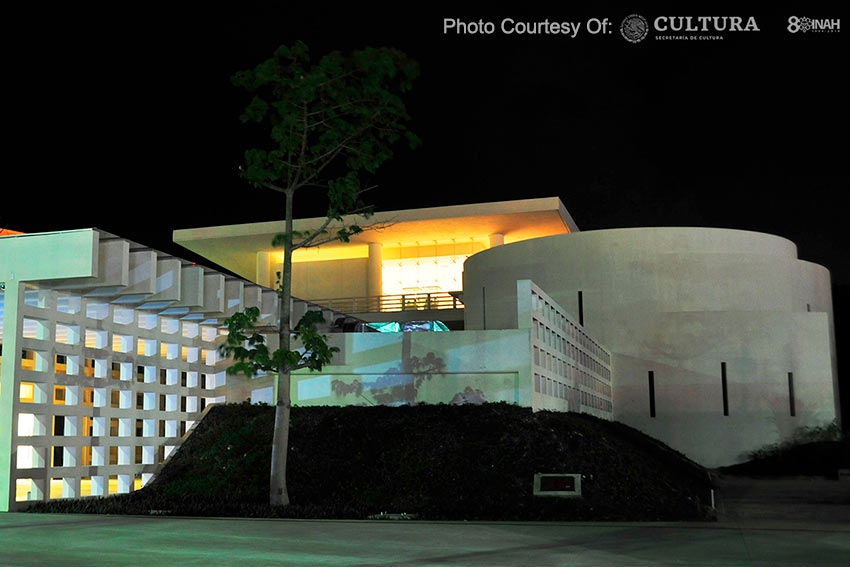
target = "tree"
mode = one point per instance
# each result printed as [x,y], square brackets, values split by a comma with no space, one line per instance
[328,123]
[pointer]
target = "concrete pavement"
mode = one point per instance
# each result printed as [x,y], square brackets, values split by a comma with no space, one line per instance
[94,541]
[801,522]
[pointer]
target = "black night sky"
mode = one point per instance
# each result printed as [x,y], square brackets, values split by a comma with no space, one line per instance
[127,121]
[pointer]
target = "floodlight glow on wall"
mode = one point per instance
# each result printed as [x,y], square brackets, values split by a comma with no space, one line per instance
[422,275]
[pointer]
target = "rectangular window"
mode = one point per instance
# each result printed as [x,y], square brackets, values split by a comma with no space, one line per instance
[85,456]
[58,425]
[86,485]
[123,316]
[58,454]
[651,393]
[724,388]
[59,395]
[791,393]
[580,309]
[97,310]
[87,426]
[68,303]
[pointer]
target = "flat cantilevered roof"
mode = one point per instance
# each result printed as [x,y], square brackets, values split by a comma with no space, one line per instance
[235,246]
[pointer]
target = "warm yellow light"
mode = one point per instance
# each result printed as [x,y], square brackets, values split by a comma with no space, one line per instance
[27,393]
[429,249]
[323,254]
[422,275]
[28,360]
[59,395]
[137,484]
[113,485]
[23,489]
[56,488]
[91,340]
[85,486]
[26,425]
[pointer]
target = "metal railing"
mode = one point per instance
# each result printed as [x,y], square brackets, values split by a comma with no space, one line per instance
[392,303]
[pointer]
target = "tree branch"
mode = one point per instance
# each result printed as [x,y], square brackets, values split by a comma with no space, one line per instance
[342,105]
[272,186]
[306,242]
[378,226]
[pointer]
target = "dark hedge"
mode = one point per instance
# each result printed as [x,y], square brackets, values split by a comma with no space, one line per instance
[822,458]
[439,462]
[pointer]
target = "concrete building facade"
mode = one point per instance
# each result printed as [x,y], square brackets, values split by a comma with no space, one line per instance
[723,340]
[108,358]
[716,342]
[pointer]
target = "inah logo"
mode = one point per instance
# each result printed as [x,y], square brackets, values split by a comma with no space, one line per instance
[805,24]
[634,28]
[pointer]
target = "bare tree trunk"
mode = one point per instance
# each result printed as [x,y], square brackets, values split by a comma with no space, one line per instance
[278,494]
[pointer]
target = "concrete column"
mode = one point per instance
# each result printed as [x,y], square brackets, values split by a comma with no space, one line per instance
[8,391]
[496,239]
[374,270]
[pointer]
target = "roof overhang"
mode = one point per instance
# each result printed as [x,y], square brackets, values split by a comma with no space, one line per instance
[235,246]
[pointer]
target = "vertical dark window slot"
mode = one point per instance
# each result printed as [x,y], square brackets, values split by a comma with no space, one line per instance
[58,425]
[580,310]
[651,393]
[725,390]
[791,393]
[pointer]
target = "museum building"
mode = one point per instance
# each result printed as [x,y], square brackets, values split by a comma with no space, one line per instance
[715,341]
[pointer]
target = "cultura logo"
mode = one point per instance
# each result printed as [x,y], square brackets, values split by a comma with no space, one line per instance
[634,28]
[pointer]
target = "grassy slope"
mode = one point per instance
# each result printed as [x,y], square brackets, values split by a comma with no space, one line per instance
[440,462]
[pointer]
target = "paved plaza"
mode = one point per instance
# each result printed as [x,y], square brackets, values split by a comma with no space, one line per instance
[758,526]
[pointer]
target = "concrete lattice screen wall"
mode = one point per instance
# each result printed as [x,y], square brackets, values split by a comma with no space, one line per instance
[105,393]
[110,356]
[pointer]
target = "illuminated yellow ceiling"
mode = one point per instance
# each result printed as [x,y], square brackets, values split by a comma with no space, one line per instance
[235,246]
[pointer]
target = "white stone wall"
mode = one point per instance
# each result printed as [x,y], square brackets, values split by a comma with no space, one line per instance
[548,362]
[679,302]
